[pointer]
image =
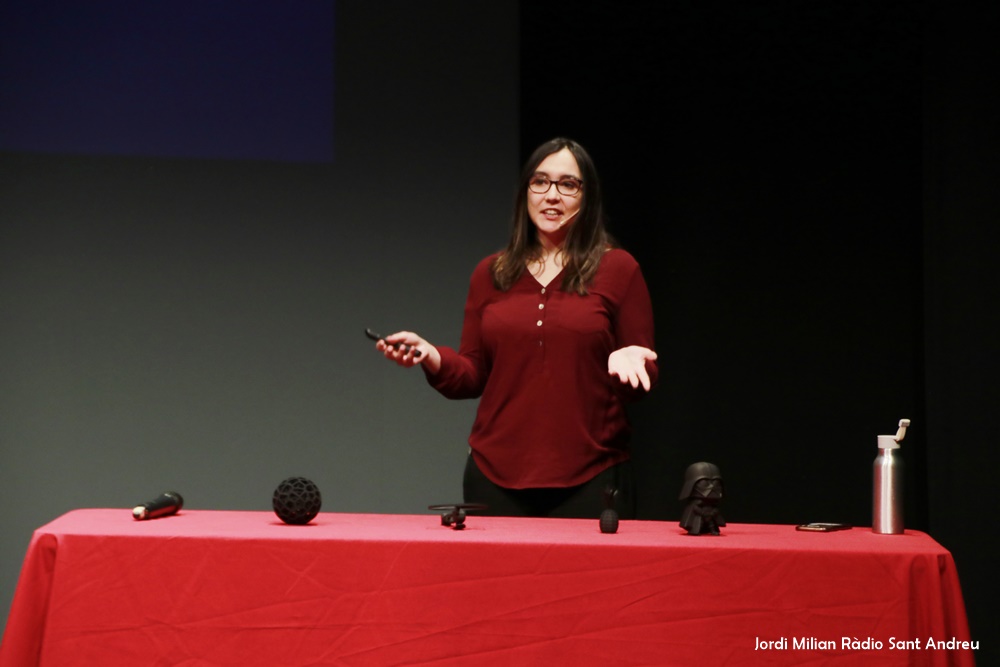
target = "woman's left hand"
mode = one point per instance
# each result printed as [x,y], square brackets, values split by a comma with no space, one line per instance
[629,364]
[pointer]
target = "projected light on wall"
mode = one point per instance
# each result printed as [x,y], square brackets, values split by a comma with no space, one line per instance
[186,78]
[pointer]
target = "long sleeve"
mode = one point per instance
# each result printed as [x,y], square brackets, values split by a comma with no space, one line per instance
[464,372]
[634,326]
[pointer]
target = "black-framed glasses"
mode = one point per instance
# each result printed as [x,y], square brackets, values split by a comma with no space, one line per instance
[567,186]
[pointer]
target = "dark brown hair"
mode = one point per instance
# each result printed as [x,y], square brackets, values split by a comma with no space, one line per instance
[586,241]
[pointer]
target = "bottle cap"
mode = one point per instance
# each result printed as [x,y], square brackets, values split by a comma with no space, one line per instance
[887,442]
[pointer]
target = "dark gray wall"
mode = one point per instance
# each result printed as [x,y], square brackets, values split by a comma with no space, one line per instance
[198,325]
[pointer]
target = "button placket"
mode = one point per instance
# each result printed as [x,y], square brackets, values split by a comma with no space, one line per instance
[541,321]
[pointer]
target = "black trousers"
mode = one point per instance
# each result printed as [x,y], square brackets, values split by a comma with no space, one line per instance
[585,501]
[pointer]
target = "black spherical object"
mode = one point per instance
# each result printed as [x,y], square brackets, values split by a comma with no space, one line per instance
[296,501]
[609,521]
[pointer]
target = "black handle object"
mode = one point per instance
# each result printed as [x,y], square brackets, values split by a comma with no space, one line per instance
[164,505]
[377,337]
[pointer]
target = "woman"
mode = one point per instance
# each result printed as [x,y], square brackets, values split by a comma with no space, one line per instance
[557,336]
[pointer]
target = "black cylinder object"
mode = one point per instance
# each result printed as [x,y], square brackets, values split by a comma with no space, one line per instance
[296,501]
[164,505]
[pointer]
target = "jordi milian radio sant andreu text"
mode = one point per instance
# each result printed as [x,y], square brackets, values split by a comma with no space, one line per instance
[866,644]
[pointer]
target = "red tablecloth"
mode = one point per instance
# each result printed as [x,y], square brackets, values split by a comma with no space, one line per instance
[241,588]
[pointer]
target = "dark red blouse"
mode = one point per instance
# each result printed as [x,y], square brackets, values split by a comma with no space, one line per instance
[549,413]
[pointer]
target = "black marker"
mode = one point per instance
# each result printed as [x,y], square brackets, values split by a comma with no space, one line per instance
[377,337]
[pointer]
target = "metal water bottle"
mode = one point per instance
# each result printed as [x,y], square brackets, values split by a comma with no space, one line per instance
[887,484]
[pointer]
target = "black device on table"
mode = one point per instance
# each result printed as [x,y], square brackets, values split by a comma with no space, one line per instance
[821,527]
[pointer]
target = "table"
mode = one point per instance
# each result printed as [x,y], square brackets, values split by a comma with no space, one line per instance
[241,588]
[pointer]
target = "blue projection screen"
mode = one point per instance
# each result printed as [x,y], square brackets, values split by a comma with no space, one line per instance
[186,78]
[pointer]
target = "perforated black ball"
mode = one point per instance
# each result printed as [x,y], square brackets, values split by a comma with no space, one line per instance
[296,501]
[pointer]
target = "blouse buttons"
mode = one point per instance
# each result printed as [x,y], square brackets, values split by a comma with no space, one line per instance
[541,306]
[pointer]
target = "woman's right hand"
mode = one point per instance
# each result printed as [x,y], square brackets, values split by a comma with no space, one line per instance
[403,348]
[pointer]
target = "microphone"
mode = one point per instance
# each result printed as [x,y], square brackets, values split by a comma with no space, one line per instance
[567,219]
[165,505]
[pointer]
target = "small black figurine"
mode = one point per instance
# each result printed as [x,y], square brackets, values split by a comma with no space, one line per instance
[702,493]
[454,515]
[609,517]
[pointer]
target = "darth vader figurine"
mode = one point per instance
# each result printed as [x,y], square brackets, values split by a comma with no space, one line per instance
[702,493]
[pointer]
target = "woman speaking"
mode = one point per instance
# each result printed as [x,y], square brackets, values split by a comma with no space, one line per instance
[557,338]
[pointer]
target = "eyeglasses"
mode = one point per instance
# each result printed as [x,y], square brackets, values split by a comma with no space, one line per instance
[568,186]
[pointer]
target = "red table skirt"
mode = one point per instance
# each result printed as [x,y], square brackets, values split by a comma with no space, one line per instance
[241,588]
